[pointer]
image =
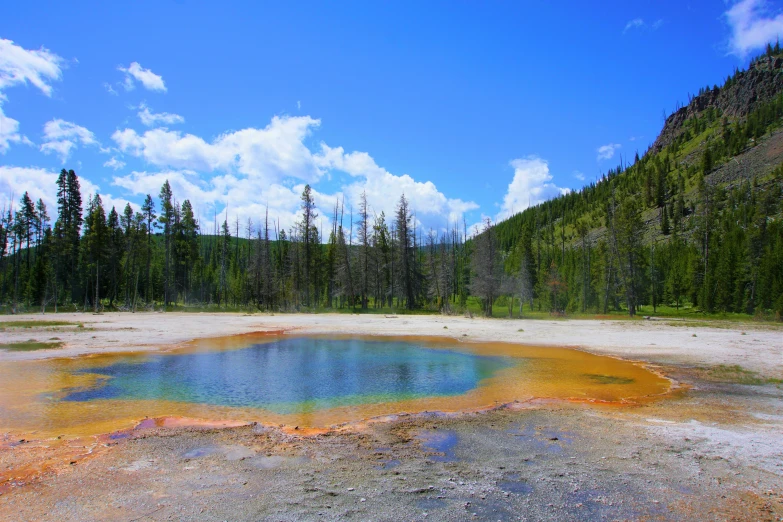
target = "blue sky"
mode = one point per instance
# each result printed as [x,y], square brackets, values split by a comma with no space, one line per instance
[471,108]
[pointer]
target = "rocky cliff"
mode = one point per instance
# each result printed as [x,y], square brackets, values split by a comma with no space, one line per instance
[762,81]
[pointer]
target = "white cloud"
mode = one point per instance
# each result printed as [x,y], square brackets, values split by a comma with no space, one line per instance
[241,197]
[148,79]
[114,163]
[636,23]
[42,184]
[272,153]
[252,168]
[752,26]
[9,131]
[640,24]
[531,185]
[579,175]
[383,189]
[151,119]
[298,104]
[62,136]
[20,66]
[607,151]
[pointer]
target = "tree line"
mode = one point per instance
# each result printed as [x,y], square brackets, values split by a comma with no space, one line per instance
[91,259]
[668,229]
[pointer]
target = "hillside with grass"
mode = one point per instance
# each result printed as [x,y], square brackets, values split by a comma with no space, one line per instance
[694,223]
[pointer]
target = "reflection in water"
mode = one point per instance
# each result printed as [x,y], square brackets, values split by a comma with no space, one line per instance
[314,381]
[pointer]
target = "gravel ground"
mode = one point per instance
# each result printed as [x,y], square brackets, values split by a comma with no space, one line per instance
[711,450]
[546,462]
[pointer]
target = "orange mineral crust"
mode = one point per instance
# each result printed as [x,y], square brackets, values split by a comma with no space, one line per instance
[31,395]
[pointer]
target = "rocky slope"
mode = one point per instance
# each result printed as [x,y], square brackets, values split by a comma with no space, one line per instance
[743,93]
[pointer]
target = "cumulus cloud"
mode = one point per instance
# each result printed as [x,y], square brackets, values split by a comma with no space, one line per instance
[254,168]
[42,184]
[114,163]
[752,26]
[224,196]
[62,136]
[531,185]
[607,151]
[383,189]
[275,152]
[151,119]
[136,73]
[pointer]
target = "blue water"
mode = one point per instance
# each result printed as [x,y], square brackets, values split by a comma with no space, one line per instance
[295,374]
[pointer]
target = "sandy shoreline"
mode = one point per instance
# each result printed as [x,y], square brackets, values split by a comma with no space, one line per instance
[658,342]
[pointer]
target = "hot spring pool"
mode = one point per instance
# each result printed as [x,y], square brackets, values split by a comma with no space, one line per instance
[310,381]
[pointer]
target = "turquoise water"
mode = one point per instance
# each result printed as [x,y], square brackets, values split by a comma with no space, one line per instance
[295,374]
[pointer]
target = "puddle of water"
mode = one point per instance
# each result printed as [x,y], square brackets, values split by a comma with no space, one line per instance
[229,452]
[204,451]
[515,484]
[429,504]
[492,509]
[337,379]
[440,441]
[148,423]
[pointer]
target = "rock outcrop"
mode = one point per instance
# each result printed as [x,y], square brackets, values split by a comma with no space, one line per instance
[762,81]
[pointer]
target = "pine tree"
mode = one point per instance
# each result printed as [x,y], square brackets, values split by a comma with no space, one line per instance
[94,246]
[308,218]
[148,210]
[665,228]
[187,244]
[167,220]
[114,249]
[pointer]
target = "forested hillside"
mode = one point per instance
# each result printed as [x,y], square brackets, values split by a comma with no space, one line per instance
[696,222]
